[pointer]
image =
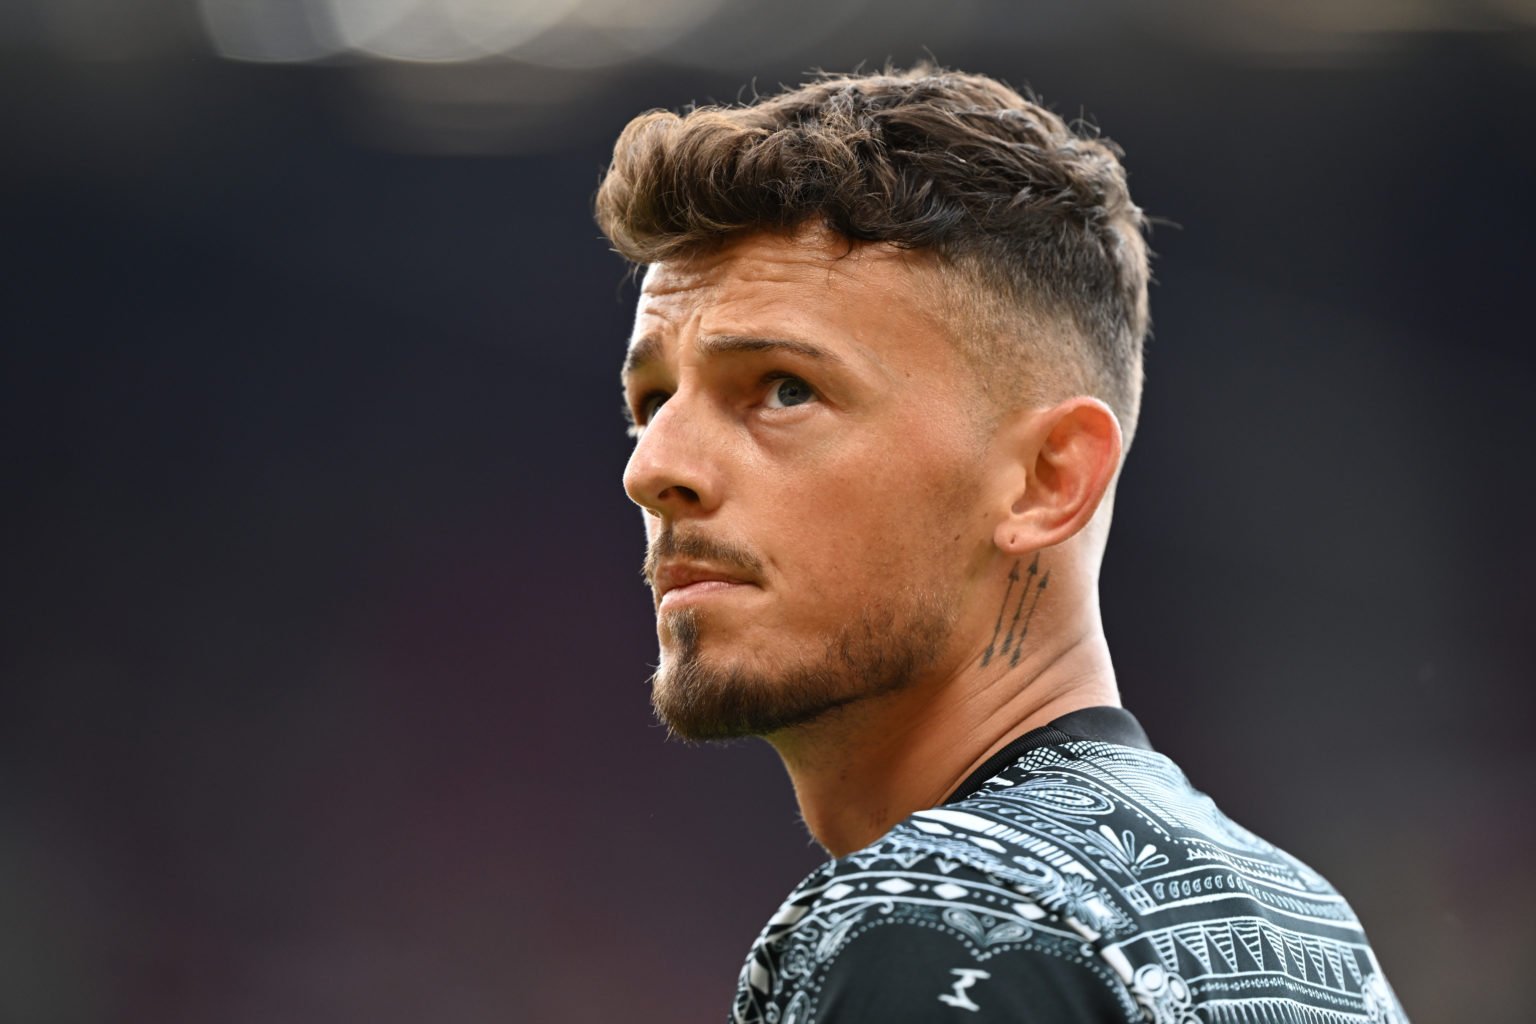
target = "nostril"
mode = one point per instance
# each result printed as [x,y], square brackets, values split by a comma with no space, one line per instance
[687,494]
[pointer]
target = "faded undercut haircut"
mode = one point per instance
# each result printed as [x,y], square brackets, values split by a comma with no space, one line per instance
[1041,260]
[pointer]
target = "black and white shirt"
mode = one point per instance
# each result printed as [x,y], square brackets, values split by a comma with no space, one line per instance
[1076,876]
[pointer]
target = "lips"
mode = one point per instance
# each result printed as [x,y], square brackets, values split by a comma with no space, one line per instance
[677,581]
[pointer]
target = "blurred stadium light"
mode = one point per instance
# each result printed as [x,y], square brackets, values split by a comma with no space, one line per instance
[718,34]
[504,75]
[564,32]
[284,31]
[522,75]
[721,33]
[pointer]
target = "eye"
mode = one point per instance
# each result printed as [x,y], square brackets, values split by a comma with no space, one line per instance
[650,404]
[789,391]
[647,409]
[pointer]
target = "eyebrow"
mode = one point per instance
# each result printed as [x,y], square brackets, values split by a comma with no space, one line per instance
[648,349]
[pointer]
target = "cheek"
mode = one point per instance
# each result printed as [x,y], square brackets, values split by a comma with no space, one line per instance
[873,533]
[863,521]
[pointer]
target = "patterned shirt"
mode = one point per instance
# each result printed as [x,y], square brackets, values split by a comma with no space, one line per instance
[1077,876]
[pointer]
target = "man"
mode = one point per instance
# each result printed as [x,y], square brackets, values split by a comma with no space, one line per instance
[886,362]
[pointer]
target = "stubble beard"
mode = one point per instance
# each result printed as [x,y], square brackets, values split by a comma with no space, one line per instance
[881,652]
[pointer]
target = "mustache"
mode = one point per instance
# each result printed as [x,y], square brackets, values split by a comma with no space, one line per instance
[671,544]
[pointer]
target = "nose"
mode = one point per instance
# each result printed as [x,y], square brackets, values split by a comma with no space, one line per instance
[674,469]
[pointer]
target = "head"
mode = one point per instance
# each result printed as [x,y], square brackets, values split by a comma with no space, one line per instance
[888,343]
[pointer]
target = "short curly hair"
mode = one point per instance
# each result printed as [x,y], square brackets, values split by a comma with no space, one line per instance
[1030,219]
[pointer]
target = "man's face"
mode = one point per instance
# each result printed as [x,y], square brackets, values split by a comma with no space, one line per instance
[809,453]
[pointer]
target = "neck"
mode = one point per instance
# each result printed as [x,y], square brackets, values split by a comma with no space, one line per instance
[860,769]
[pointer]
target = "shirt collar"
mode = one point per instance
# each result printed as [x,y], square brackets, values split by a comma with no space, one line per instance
[1099,724]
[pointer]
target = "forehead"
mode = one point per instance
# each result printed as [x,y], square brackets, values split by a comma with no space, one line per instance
[811,285]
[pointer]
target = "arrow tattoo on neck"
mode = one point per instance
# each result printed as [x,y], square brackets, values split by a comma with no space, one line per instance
[1019,648]
[1013,577]
[1034,567]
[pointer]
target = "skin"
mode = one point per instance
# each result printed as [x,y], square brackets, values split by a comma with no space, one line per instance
[834,511]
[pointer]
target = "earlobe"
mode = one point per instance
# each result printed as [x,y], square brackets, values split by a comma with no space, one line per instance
[1069,455]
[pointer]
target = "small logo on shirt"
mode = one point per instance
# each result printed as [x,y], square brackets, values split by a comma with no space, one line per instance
[965,978]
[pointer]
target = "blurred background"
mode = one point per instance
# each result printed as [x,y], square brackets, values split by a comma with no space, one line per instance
[323,646]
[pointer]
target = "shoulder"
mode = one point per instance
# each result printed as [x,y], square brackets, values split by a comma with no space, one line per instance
[904,930]
[1086,881]
[1187,906]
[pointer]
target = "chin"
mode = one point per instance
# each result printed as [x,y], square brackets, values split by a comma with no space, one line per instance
[701,703]
[701,695]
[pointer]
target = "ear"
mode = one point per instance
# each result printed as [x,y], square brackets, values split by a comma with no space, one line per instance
[1068,455]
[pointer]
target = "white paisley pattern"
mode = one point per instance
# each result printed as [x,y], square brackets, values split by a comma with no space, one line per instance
[1097,862]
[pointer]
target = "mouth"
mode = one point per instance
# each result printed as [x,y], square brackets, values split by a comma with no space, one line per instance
[680,583]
